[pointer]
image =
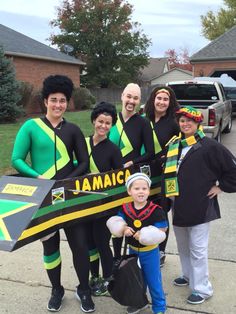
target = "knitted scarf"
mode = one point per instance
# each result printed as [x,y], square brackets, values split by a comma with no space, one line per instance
[170,175]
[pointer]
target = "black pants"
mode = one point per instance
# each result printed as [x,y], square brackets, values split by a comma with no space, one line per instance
[99,238]
[77,239]
[166,206]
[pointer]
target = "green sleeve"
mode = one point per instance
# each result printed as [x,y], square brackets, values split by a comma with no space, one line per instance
[22,147]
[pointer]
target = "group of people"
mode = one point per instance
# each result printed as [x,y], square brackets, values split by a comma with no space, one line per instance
[195,170]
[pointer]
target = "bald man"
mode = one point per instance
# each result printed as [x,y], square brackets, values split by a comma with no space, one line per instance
[131,130]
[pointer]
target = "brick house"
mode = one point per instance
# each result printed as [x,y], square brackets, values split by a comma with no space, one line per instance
[155,68]
[33,61]
[218,57]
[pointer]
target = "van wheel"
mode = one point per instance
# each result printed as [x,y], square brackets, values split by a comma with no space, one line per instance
[228,126]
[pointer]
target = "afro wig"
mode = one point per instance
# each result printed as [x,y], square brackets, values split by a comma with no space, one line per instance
[104,108]
[57,84]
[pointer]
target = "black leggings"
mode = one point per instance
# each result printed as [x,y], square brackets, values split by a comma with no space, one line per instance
[77,239]
[162,245]
[166,206]
[99,237]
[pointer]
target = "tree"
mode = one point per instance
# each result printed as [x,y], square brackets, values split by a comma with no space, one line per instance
[173,57]
[214,25]
[102,34]
[9,95]
[179,59]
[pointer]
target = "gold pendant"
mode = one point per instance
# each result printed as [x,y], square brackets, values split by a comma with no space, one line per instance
[137,223]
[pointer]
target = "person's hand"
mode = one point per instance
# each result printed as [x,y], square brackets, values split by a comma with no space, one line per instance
[128,231]
[136,235]
[215,190]
[128,164]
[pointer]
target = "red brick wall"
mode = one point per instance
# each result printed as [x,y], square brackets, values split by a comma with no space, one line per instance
[35,71]
[209,67]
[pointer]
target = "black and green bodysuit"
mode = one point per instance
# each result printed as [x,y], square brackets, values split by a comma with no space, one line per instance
[51,150]
[104,156]
[129,136]
[51,153]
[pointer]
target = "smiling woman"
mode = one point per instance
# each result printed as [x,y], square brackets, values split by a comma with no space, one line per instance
[103,156]
[187,126]
[160,111]
[197,169]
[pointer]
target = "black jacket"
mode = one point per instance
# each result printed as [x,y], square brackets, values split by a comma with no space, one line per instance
[206,163]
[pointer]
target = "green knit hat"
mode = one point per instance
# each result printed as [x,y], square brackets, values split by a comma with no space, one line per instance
[190,112]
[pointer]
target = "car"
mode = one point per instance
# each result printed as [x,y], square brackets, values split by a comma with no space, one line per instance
[229,85]
[209,97]
[231,94]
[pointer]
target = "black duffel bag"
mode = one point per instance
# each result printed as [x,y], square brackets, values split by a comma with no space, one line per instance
[128,287]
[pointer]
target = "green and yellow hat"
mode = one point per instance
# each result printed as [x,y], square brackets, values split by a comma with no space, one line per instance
[190,112]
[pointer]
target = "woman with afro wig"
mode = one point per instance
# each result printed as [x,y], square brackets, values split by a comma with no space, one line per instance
[103,156]
[51,142]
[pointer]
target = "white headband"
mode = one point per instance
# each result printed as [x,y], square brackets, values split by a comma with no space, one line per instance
[138,176]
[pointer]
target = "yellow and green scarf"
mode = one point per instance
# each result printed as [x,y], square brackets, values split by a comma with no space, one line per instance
[170,170]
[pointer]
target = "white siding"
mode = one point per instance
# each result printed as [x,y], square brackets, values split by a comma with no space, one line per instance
[174,75]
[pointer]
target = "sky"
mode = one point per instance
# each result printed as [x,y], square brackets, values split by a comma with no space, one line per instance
[170,24]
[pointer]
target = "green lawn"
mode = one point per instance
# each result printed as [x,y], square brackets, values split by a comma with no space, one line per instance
[8,133]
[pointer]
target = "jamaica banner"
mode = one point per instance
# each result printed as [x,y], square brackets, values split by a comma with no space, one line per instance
[33,208]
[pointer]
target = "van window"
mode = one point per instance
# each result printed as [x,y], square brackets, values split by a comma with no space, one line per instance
[230,92]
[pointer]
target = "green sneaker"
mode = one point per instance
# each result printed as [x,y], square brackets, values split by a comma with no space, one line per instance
[95,283]
[102,289]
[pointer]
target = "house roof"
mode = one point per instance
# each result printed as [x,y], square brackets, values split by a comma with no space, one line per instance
[155,68]
[17,44]
[174,70]
[222,48]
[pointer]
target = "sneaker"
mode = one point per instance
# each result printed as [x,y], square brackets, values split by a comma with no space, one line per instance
[84,297]
[134,310]
[162,258]
[195,298]
[57,295]
[102,289]
[180,281]
[95,283]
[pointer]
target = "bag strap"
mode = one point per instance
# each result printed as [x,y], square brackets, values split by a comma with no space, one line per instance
[125,247]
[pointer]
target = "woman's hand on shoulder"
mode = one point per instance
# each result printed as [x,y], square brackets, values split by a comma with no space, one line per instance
[128,164]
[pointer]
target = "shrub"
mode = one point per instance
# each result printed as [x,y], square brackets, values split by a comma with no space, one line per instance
[36,102]
[9,95]
[25,90]
[83,99]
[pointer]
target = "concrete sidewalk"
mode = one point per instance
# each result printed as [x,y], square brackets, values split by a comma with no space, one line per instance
[24,286]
